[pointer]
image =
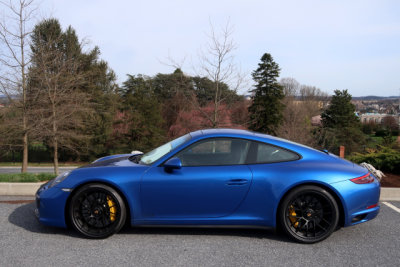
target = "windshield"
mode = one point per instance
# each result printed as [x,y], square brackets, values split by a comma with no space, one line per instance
[160,151]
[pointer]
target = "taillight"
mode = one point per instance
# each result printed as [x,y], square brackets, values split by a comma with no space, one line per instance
[365,179]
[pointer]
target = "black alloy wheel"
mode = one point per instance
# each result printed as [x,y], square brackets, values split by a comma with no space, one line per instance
[309,214]
[97,211]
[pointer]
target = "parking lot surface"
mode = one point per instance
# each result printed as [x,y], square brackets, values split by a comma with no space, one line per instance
[25,242]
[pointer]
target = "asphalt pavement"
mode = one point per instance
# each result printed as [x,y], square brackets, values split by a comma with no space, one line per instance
[25,242]
[35,169]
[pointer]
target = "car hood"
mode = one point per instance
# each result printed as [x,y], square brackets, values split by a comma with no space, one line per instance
[118,161]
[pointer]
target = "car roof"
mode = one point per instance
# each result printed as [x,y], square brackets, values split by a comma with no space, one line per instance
[239,133]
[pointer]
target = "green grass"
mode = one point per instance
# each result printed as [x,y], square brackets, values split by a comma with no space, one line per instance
[44,164]
[25,177]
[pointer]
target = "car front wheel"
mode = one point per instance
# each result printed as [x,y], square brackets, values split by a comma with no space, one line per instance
[97,211]
[309,214]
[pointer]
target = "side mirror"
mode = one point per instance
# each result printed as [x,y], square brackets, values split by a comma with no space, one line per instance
[172,164]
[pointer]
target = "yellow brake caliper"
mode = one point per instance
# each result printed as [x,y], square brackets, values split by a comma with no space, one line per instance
[113,209]
[292,216]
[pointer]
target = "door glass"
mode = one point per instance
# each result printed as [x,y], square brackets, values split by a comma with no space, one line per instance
[216,151]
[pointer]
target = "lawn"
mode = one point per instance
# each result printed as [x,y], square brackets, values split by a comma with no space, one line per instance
[43,164]
[25,177]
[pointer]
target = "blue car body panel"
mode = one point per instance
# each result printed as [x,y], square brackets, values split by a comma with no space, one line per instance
[247,194]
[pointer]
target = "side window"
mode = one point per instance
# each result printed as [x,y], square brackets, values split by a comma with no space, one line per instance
[264,153]
[215,151]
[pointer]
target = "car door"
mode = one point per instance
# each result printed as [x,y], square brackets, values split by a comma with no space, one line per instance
[212,181]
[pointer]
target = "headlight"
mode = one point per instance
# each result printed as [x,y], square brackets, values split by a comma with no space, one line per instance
[59,179]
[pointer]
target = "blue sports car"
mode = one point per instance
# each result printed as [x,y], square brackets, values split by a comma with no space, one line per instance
[215,177]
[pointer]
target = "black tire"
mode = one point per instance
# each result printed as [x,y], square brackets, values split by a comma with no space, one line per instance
[309,214]
[97,211]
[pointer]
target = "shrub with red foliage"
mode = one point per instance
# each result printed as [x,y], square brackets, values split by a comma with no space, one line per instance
[201,118]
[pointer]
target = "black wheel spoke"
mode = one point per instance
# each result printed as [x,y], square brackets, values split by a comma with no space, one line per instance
[321,227]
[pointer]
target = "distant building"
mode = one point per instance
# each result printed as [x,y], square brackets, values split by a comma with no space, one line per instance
[376,118]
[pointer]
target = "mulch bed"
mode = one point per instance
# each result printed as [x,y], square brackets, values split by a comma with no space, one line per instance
[390,180]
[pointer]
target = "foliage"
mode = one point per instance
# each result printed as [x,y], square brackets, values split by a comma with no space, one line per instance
[266,108]
[384,159]
[196,119]
[331,139]
[341,126]
[204,89]
[57,78]
[341,112]
[82,90]
[25,177]
[141,115]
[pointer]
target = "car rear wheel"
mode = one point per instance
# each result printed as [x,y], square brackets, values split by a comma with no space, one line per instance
[97,211]
[309,214]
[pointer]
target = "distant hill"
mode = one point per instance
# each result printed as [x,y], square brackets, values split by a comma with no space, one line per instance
[374,97]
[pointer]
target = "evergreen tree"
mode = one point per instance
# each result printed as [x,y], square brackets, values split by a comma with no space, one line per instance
[341,126]
[341,112]
[141,120]
[266,108]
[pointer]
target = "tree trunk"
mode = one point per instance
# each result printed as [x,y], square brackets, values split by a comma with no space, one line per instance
[24,122]
[55,155]
[25,154]
[215,117]
[55,141]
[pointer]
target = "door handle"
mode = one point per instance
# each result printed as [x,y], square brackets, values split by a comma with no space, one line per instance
[236,182]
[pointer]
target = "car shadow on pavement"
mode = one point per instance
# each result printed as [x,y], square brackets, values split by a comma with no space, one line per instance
[210,231]
[23,216]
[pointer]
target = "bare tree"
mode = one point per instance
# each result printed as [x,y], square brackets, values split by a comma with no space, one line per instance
[291,87]
[301,104]
[15,29]
[60,109]
[217,63]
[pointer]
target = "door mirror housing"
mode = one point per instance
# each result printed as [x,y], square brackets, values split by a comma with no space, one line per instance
[172,164]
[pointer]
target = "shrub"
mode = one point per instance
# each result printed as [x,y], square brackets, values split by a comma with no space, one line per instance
[386,159]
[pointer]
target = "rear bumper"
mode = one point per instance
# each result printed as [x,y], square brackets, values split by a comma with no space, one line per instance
[357,200]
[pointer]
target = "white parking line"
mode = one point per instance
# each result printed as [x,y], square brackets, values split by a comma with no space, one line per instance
[392,206]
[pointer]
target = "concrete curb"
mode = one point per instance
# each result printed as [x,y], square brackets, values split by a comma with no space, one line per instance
[390,194]
[29,189]
[19,189]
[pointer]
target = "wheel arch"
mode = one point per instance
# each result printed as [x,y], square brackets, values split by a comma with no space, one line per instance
[116,188]
[334,193]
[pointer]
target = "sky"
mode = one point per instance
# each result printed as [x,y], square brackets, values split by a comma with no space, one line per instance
[336,44]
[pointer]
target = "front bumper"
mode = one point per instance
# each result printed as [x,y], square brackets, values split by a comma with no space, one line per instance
[50,205]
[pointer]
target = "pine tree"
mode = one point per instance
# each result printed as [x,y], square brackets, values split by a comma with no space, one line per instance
[266,108]
[341,112]
[341,126]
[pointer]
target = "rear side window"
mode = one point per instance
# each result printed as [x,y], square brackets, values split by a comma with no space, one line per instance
[265,153]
